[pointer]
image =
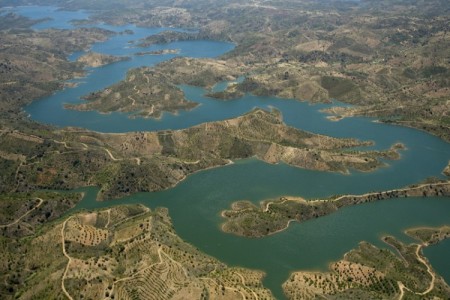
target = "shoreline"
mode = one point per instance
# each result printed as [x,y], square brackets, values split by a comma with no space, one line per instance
[323,207]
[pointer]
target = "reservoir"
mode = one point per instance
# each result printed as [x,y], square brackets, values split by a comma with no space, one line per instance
[195,204]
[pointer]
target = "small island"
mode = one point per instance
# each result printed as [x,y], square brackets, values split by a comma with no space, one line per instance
[144,93]
[148,92]
[447,170]
[95,60]
[169,36]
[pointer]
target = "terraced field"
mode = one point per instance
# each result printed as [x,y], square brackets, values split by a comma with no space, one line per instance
[129,252]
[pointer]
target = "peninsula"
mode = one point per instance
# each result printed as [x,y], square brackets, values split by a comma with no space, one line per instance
[371,272]
[272,216]
[117,162]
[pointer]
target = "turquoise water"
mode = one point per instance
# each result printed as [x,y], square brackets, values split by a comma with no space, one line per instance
[195,203]
[439,257]
[54,18]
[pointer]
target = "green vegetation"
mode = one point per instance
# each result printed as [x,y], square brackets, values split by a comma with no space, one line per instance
[21,214]
[23,218]
[337,87]
[388,58]
[429,236]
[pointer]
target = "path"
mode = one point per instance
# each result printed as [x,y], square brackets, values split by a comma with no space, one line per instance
[402,287]
[110,155]
[393,191]
[63,242]
[284,199]
[131,277]
[138,159]
[132,99]
[109,218]
[148,79]
[152,110]
[271,202]
[62,143]
[175,262]
[16,176]
[24,215]
[86,147]
[226,287]
[23,163]
[162,254]
[243,283]
[191,162]
[146,210]
[141,271]
[433,277]
[371,193]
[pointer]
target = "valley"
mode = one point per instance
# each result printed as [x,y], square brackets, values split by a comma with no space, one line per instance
[128,129]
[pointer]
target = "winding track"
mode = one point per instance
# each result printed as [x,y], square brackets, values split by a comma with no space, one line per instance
[408,189]
[24,215]
[63,242]
[402,287]
[423,261]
